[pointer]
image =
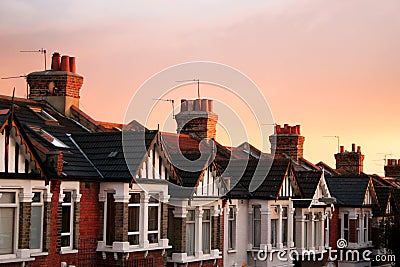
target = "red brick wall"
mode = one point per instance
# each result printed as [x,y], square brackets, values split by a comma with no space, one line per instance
[334,230]
[66,84]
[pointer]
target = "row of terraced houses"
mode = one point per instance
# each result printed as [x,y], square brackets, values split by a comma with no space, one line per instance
[69,198]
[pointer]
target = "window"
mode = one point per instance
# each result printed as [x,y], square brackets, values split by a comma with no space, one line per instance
[346,226]
[190,234]
[358,228]
[231,228]
[133,219]
[327,231]
[365,224]
[110,219]
[317,230]
[206,228]
[256,226]
[36,221]
[284,225]
[274,232]
[8,209]
[67,221]
[153,220]
[306,230]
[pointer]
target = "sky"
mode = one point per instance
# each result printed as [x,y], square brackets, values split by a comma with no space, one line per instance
[331,66]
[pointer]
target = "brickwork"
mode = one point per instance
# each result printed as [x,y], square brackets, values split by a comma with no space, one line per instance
[24,225]
[350,161]
[352,231]
[164,221]
[176,232]
[334,228]
[287,140]
[65,83]
[121,222]
[392,169]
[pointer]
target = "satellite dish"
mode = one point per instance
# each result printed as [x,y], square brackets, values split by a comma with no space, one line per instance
[51,87]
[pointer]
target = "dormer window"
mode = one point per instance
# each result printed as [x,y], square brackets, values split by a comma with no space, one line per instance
[43,114]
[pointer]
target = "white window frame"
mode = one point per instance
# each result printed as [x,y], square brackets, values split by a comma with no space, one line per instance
[209,233]
[358,230]
[191,222]
[38,204]
[365,227]
[157,204]
[131,205]
[71,226]
[285,218]
[307,230]
[231,228]
[16,222]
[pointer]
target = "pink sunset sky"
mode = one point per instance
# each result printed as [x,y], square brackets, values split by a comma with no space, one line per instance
[331,66]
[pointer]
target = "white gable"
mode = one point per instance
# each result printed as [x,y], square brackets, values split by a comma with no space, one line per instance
[287,188]
[321,190]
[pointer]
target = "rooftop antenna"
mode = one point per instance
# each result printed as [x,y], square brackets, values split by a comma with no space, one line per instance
[42,51]
[168,100]
[385,157]
[194,80]
[338,141]
[17,77]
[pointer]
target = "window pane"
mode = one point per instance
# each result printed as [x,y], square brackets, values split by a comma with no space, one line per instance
[67,197]
[7,197]
[284,232]
[7,221]
[153,218]
[133,219]
[66,219]
[257,212]
[65,241]
[153,238]
[153,198]
[206,215]
[133,239]
[135,198]
[190,238]
[346,221]
[273,232]
[36,197]
[206,237]
[36,227]
[190,215]
[257,233]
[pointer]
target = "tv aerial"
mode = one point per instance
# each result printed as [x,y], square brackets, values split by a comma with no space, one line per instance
[42,51]
[338,140]
[172,103]
[193,80]
[18,77]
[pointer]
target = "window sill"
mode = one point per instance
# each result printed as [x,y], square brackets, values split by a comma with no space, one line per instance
[69,251]
[38,254]
[231,251]
[15,259]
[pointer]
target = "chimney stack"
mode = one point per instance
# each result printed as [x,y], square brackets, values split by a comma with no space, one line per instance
[287,140]
[60,86]
[392,168]
[350,162]
[197,119]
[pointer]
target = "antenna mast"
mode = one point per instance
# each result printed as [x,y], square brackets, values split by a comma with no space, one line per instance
[42,51]
[168,100]
[198,85]
[338,141]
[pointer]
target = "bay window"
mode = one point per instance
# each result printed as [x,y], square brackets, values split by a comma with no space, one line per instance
[206,229]
[133,218]
[190,232]
[8,211]
[36,221]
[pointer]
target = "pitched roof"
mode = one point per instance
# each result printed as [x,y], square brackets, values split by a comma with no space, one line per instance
[269,173]
[308,182]
[349,190]
[105,151]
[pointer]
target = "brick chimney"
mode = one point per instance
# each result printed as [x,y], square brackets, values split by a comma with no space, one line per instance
[60,86]
[197,118]
[350,161]
[287,140]
[392,168]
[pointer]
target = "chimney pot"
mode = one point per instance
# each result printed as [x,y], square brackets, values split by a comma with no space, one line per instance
[204,105]
[210,105]
[298,129]
[341,149]
[65,63]
[72,64]
[55,61]
[197,105]
[353,147]
[358,149]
